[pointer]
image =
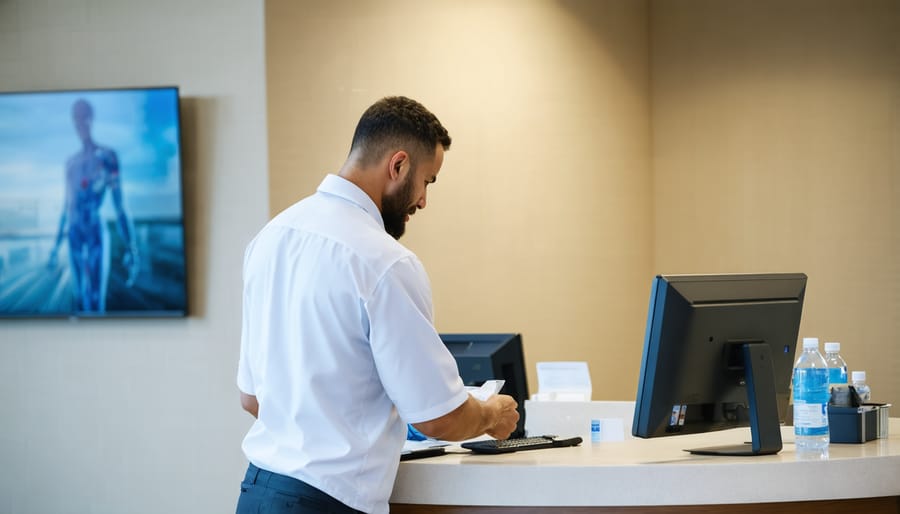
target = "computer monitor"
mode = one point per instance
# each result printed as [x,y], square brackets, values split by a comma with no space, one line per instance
[482,357]
[718,354]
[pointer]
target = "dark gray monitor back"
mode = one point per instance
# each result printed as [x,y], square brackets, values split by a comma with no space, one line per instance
[482,357]
[697,326]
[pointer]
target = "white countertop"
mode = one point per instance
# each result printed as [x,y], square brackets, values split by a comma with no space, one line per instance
[652,472]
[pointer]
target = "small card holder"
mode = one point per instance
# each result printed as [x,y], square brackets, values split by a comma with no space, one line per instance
[850,420]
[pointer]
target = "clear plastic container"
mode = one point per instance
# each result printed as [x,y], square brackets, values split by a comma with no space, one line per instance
[811,396]
[837,367]
[858,379]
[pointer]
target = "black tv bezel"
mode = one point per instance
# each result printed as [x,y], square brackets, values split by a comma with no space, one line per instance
[124,314]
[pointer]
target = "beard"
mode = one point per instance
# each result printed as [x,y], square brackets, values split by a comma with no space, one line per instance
[395,207]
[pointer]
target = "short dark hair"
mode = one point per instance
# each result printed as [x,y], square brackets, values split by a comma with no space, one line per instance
[398,122]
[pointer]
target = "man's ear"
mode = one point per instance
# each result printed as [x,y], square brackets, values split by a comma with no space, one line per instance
[398,164]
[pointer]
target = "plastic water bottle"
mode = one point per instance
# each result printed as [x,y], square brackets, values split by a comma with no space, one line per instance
[811,399]
[859,383]
[837,368]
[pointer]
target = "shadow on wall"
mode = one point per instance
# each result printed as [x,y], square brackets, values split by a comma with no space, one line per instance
[608,38]
[197,117]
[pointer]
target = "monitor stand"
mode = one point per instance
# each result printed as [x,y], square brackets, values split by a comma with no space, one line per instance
[764,424]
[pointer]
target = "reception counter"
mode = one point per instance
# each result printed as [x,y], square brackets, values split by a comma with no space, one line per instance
[656,475]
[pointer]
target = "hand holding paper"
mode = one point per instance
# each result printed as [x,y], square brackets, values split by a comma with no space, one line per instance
[488,388]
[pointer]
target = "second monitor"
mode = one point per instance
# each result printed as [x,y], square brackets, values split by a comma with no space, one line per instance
[482,357]
[718,353]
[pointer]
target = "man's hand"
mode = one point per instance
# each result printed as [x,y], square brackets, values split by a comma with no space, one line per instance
[250,404]
[504,414]
[496,417]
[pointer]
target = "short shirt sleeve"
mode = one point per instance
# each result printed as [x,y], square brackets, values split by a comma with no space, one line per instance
[244,376]
[416,369]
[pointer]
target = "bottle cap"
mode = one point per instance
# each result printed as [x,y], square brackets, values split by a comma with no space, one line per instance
[811,342]
[858,376]
[832,347]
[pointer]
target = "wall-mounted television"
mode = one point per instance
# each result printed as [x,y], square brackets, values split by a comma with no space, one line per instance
[91,204]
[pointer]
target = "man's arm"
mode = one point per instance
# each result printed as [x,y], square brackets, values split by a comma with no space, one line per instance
[249,403]
[496,417]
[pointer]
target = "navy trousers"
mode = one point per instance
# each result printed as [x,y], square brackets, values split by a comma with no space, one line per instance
[270,493]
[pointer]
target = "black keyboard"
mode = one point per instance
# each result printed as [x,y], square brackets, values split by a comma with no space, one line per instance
[520,444]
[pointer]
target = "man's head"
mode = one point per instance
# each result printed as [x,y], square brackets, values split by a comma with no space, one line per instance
[82,117]
[403,135]
[397,122]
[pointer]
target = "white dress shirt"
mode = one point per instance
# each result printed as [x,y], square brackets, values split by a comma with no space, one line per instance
[339,347]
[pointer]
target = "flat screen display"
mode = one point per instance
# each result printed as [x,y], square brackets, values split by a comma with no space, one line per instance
[91,211]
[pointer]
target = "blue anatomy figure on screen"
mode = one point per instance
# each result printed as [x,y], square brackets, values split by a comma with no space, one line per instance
[89,174]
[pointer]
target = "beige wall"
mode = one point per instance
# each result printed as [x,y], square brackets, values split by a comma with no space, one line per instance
[540,222]
[141,416]
[598,143]
[776,147]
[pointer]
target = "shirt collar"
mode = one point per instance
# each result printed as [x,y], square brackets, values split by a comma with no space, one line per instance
[343,188]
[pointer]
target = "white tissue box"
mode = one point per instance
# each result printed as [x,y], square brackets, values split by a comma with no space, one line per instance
[573,418]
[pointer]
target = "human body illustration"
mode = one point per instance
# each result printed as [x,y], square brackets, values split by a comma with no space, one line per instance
[90,173]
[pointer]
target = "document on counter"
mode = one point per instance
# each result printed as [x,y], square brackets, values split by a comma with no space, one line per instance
[420,449]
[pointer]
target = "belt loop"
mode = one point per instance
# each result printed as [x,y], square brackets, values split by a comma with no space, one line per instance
[255,473]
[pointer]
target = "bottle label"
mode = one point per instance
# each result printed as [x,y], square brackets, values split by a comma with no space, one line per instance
[810,419]
[811,401]
[595,431]
[811,385]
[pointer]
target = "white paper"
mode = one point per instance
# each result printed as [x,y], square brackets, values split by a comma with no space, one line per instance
[488,388]
[413,446]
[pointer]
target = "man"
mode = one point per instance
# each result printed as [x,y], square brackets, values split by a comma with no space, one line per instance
[338,348]
[89,174]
